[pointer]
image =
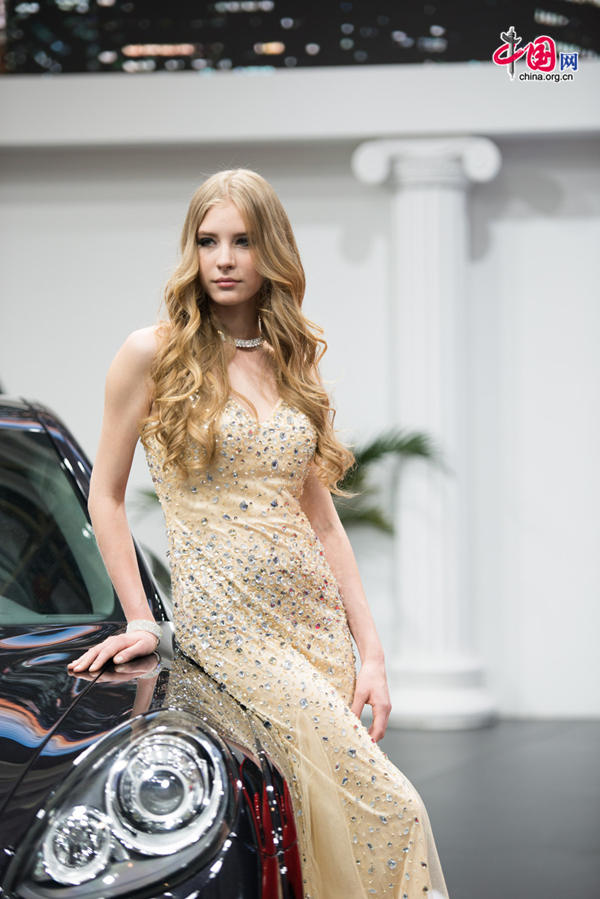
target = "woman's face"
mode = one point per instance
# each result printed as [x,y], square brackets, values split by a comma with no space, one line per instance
[224,252]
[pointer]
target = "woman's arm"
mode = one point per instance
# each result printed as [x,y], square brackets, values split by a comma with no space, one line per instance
[371,685]
[127,401]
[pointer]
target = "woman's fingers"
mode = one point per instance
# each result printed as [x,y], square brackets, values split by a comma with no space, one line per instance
[358,704]
[381,714]
[103,656]
[108,651]
[96,656]
[120,647]
[83,660]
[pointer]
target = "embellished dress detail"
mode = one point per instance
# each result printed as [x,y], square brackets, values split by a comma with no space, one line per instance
[257,606]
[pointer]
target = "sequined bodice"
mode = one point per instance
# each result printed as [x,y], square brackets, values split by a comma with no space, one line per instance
[259,469]
[237,533]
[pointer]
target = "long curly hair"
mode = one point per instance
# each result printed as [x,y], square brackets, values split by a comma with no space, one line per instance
[189,371]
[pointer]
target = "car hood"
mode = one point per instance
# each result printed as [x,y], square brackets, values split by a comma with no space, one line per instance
[48,715]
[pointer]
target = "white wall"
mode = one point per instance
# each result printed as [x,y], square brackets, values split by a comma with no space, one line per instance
[535,425]
[88,237]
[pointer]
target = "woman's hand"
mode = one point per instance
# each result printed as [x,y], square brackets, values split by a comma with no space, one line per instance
[143,667]
[119,647]
[372,689]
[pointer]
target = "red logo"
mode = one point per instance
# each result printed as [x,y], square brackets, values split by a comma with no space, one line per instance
[541,53]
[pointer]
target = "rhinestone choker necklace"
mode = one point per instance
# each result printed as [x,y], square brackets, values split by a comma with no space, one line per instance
[250,342]
[241,342]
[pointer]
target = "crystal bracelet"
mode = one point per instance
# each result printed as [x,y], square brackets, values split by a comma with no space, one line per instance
[142,624]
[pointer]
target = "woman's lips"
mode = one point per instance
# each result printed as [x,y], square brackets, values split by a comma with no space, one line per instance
[227,283]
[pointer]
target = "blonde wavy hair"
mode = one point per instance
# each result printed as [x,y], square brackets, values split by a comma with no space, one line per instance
[189,371]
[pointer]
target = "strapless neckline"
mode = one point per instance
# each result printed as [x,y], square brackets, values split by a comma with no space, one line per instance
[272,414]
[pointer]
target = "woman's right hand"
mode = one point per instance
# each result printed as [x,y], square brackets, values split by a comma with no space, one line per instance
[119,648]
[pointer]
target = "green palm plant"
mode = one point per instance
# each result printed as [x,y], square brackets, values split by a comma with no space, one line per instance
[395,442]
[357,510]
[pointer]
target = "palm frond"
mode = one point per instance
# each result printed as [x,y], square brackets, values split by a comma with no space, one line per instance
[404,444]
[365,515]
[144,501]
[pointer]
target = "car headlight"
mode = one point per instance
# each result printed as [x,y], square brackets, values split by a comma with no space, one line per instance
[158,786]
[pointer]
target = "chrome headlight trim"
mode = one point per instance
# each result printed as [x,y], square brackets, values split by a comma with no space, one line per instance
[143,829]
[37,870]
[64,836]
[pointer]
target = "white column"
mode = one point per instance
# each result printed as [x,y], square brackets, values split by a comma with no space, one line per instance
[436,679]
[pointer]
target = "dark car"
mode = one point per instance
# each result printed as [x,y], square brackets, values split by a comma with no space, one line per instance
[144,782]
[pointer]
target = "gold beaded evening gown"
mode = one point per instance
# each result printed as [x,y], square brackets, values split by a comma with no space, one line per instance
[257,606]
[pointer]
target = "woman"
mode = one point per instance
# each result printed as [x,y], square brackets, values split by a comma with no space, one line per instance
[238,433]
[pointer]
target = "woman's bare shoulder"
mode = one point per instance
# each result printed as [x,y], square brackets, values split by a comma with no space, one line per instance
[143,343]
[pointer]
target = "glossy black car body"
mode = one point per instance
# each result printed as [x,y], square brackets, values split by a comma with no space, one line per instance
[71,745]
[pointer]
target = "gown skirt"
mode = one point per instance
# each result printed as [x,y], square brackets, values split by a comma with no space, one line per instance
[257,606]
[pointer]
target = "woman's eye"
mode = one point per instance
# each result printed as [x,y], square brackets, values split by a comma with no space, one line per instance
[204,241]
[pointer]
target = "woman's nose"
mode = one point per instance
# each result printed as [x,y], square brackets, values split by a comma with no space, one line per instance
[225,255]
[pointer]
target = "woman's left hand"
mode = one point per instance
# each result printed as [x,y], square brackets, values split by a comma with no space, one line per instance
[372,689]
